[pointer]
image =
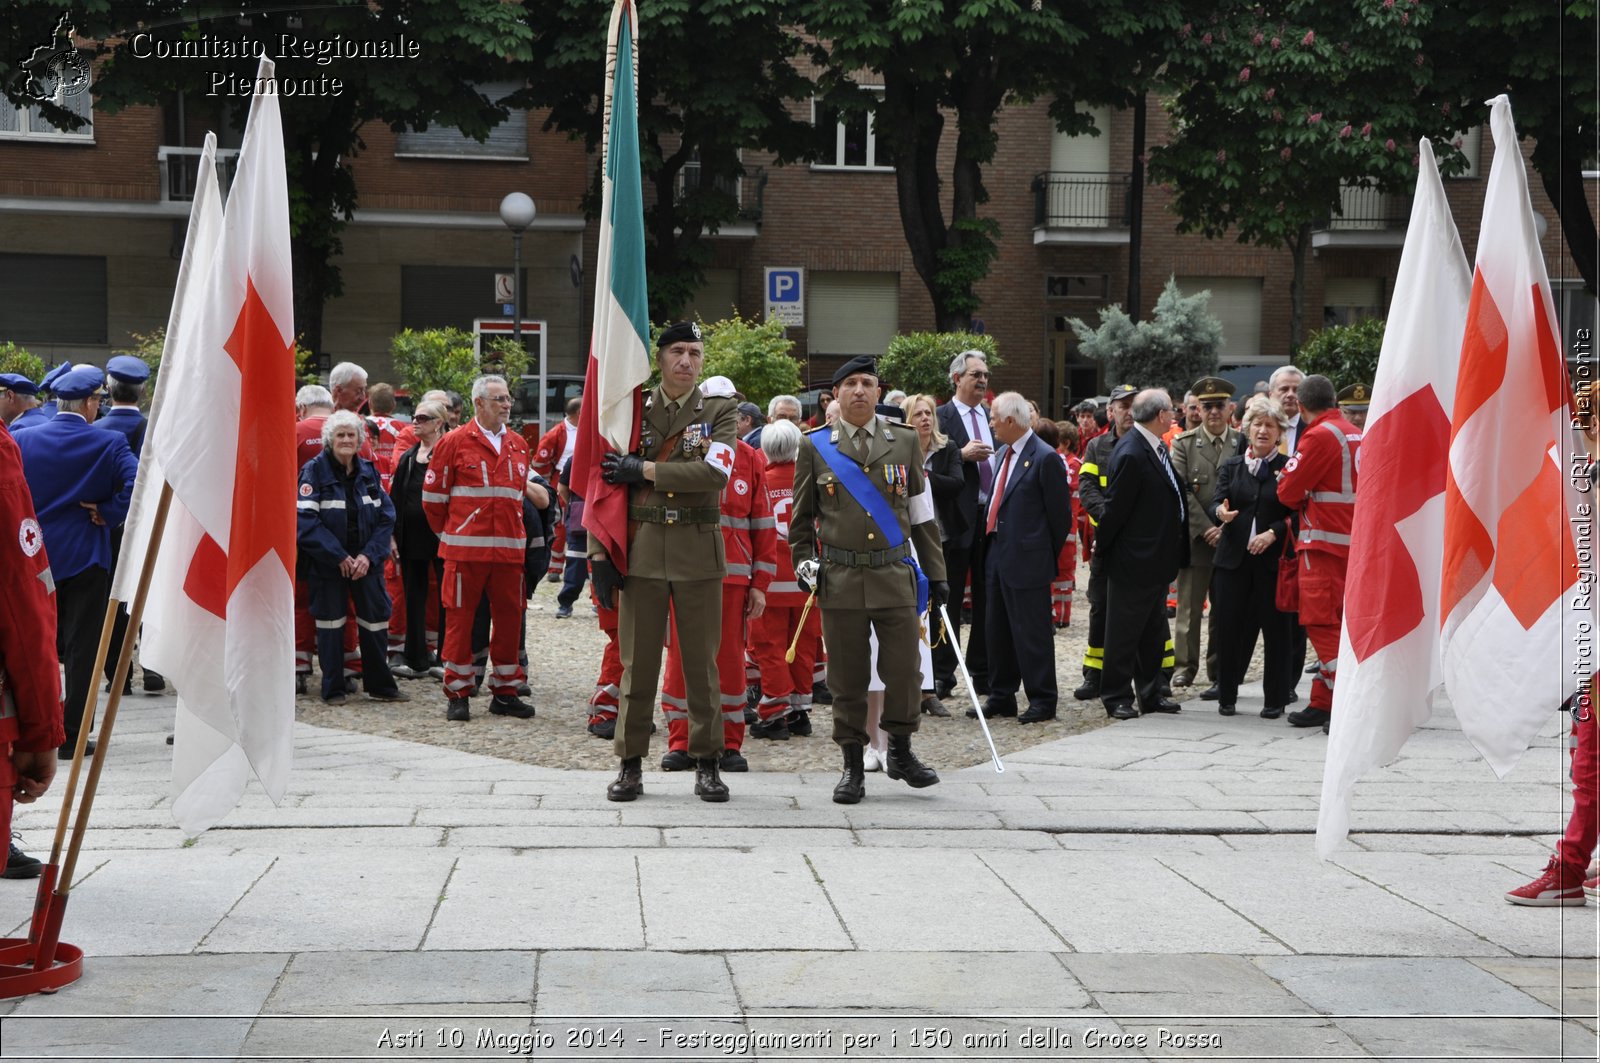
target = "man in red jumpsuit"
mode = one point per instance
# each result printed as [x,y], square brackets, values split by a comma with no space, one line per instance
[472,496]
[30,679]
[1320,481]
[750,543]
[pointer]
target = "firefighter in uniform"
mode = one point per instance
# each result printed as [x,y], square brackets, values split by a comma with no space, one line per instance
[1196,455]
[749,543]
[472,497]
[676,561]
[1320,481]
[859,500]
[1093,477]
[30,680]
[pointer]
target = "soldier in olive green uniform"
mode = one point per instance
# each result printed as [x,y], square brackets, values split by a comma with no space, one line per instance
[675,557]
[861,583]
[1196,455]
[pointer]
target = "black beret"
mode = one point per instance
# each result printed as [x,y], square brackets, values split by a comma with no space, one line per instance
[863,363]
[682,332]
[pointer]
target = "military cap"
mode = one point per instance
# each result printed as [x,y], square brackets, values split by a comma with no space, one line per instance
[1211,388]
[80,382]
[682,332]
[1123,391]
[1356,395]
[861,363]
[128,369]
[50,378]
[18,383]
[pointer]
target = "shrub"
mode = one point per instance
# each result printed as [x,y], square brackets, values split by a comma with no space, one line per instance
[754,356]
[444,359]
[1345,354]
[14,359]
[1172,350]
[918,363]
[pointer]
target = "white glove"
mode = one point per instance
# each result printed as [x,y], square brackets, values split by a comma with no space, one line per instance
[806,573]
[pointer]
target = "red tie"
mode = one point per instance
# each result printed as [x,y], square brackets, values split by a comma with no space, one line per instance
[999,493]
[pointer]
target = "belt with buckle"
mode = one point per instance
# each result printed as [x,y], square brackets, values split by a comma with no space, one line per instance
[676,515]
[865,558]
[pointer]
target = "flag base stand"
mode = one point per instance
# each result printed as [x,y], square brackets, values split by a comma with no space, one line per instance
[40,962]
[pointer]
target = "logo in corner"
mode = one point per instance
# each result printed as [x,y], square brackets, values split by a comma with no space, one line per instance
[56,70]
[29,537]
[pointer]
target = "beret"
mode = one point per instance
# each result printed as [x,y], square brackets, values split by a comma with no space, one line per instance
[18,383]
[863,363]
[127,368]
[682,332]
[50,378]
[80,382]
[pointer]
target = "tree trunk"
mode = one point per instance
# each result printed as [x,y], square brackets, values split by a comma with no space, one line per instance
[1299,246]
[910,114]
[1566,189]
[1135,209]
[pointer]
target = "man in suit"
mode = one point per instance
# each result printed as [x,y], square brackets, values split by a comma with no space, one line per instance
[1028,519]
[1143,532]
[965,420]
[1196,456]
[863,572]
[676,560]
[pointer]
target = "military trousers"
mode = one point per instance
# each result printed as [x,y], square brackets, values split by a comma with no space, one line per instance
[641,635]
[846,634]
[1194,584]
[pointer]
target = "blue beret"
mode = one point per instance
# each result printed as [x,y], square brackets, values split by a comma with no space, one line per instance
[18,383]
[50,378]
[128,369]
[79,383]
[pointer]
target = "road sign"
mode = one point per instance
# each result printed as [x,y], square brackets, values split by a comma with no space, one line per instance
[786,297]
[504,290]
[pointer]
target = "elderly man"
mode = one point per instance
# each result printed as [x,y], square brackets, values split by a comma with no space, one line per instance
[965,419]
[472,497]
[1196,455]
[348,383]
[779,408]
[1284,385]
[1143,535]
[860,500]
[747,420]
[18,395]
[44,410]
[1353,402]
[82,482]
[676,559]
[1028,520]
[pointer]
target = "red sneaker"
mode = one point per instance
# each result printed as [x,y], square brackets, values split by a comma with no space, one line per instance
[1556,888]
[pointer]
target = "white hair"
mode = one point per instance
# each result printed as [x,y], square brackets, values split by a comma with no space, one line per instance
[480,386]
[1011,406]
[342,419]
[780,442]
[782,400]
[313,395]
[895,397]
[958,365]
[345,373]
[1263,408]
[1281,372]
[1150,404]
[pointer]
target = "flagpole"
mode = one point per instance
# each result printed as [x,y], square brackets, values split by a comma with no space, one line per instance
[46,925]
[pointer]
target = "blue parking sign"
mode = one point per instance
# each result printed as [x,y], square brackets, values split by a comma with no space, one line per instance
[785,291]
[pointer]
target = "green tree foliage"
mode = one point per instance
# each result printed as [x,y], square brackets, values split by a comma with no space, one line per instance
[458,42]
[14,359]
[1275,109]
[754,356]
[444,359]
[1172,350]
[918,363]
[962,60]
[1345,354]
[716,77]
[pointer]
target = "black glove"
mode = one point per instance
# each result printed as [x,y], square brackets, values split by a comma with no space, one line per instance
[938,594]
[607,581]
[622,469]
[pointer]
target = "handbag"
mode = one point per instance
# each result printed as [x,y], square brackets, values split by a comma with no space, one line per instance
[1287,592]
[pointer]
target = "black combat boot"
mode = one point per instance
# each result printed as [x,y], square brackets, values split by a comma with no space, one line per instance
[629,783]
[901,763]
[708,784]
[852,786]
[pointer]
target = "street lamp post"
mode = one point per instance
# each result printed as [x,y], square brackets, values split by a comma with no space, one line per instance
[517,211]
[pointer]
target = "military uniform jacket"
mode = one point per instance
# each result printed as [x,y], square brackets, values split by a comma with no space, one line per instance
[690,475]
[822,512]
[1195,463]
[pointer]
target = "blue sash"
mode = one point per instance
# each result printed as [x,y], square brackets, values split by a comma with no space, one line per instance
[860,488]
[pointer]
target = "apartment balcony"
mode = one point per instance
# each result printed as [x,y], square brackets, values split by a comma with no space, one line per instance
[1367,219]
[747,191]
[180,171]
[1080,209]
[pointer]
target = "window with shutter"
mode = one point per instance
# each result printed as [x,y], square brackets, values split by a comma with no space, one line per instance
[507,141]
[1236,302]
[851,313]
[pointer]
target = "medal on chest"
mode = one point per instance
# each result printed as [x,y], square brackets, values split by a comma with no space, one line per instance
[895,477]
[696,440]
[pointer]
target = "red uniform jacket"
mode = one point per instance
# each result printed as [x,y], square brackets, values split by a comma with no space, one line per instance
[749,537]
[473,496]
[383,433]
[551,446]
[784,592]
[1321,477]
[308,441]
[30,701]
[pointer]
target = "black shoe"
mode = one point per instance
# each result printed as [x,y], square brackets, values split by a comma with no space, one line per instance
[629,782]
[459,709]
[944,688]
[1122,712]
[524,690]
[1162,705]
[387,695]
[751,716]
[901,763]
[299,684]
[996,707]
[602,726]
[1313,668]
[776,730]
[821,694]
[1325,724]
[1226,710]
[708,784]
[752,698]
[1272,712]
[170,739]
[932,706]
[733,760]
[800,724]
[852,785]
[1294,696]
[1210,693]
[154,682]
[1183,679]
[335,699]
[70,746]
[510,705]
[20,865]
[1037,714]
[1089,691]
[1307,717]
[677,760]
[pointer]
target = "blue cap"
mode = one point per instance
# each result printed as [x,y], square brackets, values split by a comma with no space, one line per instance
[18,383]
[79,383]
[128,369]
[50,378]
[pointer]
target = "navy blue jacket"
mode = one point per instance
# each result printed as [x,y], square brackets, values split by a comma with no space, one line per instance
[129,421]
[1035,514]
[323,504]
[1143,532]
[66,461]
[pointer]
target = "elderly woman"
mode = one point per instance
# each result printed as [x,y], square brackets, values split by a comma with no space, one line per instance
[345,528]
[416,546]
[945,472]
[1256,528]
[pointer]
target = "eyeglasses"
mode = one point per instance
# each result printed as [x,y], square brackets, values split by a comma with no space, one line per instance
[1213,405]
[422,418]
[499,398]
[977,374]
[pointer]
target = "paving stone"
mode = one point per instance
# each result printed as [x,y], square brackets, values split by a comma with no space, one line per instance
[968,839]
[757,837]
[679,912]
[1283,1039]
[1570,987]
[463,814]
[580,985]
[1190,987]
[325,840]
[1220,821]
[603,836]
[1384,985]
[541,899]
[438,1030]
[1140,843]
[323,982]
[1465,1038]
[936,983]
[1487,844]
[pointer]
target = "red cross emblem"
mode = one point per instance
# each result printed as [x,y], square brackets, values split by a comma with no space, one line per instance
[724,456]
[29,537]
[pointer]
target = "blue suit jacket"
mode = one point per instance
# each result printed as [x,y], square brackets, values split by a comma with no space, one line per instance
[129,421]
[1035,515]
[67,461]
[1143,531]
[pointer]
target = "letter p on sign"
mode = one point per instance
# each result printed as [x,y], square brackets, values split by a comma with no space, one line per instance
[786,296]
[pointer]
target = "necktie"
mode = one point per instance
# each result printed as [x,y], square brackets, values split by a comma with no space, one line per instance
[999,493]
[863,442]
[1166,464]
[985,474]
